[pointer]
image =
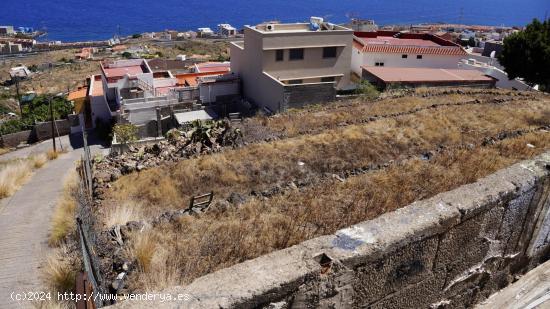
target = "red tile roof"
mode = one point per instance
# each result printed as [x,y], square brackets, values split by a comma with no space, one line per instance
[209,67]
[409,49]
[411,75]
[405,43]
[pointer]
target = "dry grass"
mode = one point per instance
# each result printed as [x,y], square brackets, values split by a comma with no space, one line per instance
[39,161]
[59,271]
[63,219]
[262,166]
[13,176]
[120,214]
[15,173]
[215,240]
[177,253]
[52,155]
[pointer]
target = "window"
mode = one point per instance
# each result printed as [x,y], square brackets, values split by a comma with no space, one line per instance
[279,55]
[327,79]
[404,56]
[329,52]
[418,56]
[379,64]
[296,54]
[295,82]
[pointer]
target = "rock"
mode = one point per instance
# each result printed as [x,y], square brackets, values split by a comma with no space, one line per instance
[530,146]
[236,199]
[140,167]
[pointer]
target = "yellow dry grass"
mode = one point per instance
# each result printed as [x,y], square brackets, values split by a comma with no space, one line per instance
[261,166]
[13,176]
[63,219]
[52,155]
[177,253]
[59,272]
[120,214]
[15,173]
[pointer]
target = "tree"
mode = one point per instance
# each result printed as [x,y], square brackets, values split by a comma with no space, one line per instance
[526,54]
[472,42]
[125,133]
[127,55]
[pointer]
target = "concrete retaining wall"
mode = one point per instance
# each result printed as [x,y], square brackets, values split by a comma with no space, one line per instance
[44,129]
[15,139]
[449,251]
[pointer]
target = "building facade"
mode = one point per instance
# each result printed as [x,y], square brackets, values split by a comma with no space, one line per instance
[278,63]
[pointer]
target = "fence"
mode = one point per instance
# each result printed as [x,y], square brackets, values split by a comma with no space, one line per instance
[91,279]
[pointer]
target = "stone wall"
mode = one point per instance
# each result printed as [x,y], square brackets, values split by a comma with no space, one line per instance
[297,96]
[450,251]
[44,129]
[15,139]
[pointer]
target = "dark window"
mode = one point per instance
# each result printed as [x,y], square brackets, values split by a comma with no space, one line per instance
[418,56]
[379,64]
[296,54]
[279,55]
[295,82]
[329,52]
[327,79]
[404,56]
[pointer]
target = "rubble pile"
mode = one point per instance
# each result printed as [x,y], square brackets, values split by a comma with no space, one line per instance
[202,138]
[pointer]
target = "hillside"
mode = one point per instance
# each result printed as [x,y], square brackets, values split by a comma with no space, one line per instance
[307,173]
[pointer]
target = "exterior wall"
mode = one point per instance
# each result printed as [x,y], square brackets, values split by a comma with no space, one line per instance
[313,64]
[452,250]
[394,60]
[501,76]
[210,91]
[44,129]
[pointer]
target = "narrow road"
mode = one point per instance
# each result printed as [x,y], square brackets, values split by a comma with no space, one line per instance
[25,223]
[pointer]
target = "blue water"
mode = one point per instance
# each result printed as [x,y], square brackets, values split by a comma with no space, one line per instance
[75,20]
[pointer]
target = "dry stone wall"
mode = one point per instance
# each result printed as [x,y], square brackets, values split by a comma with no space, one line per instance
[450,251]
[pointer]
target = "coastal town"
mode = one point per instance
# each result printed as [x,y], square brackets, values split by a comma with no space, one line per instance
[280,165]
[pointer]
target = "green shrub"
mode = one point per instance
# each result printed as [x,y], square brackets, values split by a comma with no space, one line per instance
[125,133]
[367,90]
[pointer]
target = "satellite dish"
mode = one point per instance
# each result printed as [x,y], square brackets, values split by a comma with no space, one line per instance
[493,53]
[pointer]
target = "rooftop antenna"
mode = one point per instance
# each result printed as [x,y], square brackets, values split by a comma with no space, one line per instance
[461,15]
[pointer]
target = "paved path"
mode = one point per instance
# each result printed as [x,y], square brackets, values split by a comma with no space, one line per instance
[25,224]
[529,292]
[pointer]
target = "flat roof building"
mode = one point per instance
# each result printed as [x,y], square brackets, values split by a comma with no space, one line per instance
[385,77]
[289,65]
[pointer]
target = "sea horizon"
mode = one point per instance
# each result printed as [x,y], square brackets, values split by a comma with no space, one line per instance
[71,20]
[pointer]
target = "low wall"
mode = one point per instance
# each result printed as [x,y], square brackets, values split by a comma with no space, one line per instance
[44,129]
[297,96]
[15,139]
[449,251]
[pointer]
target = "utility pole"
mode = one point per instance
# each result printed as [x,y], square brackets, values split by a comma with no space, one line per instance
[52,120]
[18,95]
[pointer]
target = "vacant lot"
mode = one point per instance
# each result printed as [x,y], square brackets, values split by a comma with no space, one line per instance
[325,168]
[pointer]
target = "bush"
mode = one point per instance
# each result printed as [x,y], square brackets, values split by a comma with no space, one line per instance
[367,90]
[125,133]
[136,36]
[127,55]
[14,125]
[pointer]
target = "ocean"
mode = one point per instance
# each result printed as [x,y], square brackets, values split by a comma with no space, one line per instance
[78,20]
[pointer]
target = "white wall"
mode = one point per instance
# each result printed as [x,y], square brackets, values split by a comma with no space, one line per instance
[395,60]
[501,76]
[209,91]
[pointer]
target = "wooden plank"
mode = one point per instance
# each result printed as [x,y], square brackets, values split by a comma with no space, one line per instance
[529,292]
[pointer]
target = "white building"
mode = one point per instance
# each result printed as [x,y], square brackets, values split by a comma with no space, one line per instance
[205,32]
[407,50]
[227,30]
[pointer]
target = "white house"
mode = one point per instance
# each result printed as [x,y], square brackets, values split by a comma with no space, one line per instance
[407,50]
